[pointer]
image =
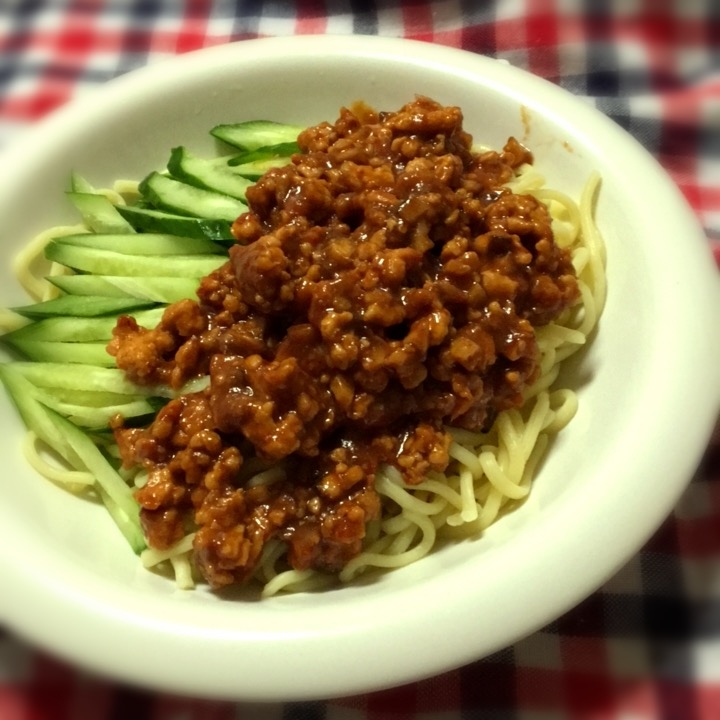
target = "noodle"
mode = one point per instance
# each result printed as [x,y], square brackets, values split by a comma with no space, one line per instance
[26,262]
[72,480]
[151,556]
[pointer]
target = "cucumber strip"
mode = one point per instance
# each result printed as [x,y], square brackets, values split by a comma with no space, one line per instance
[169,194]
[91,398]
[100,379]
[96,463]
[87,285]
[35,415]
[74,329]
[82,306]
[128,525]
[108,262]
[156,221]
[244,165]
[79,184]
[269,152]
[158,289]
[255,134]
[96,417]
[252,170]
[86,353]
[99,214]
[201,173]
[79,451]
[144,244]
[79,377]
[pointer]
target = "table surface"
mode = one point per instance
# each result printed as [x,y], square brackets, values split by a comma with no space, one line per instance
[647,644]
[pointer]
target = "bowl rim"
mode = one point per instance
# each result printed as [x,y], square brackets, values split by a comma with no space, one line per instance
[25,607]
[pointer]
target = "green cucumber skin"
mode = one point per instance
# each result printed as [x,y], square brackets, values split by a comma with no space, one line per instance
[92,398]
[61,434]
[34,414]
[107,262]
[282,153]
[143,244]
[138,257]
[78,450]
[99,214]
[79,184]
[87,285]
[94,416]
[193,170]
[158,289]
[171,195]
[86,353]
[255,169]
[145,220]
[128,524]
[254,134]
[88,417]
[92,378]
[76,329]
[115,493]
[154,253]
[84,306]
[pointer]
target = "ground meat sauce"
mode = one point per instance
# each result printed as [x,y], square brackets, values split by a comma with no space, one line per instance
[382,285]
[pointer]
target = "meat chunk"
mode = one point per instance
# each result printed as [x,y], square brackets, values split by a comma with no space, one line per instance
[384,284]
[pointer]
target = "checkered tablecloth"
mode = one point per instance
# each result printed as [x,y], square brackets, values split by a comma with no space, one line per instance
[647,645]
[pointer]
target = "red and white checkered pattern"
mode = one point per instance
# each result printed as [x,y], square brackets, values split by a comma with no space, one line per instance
[647,645]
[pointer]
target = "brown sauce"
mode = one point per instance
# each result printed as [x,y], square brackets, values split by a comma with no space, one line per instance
[383,285]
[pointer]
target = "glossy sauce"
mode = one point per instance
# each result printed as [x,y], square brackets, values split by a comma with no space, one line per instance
[383,285]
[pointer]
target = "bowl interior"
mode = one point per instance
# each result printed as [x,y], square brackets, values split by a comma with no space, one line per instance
[608,480]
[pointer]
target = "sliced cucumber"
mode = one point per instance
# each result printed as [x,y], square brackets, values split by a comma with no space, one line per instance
[96,463]
[88,285]
[95,418]
[127,523]
[99,214]
[193,170]
[87,353]
[83,377]
[78,450]
[118,494]
[169,194]
[158,289]
[91,409]
[78,329]
[79,184]
[282,151]
[108,262]
[91,398]
[144,244]
[100,379]
[34,414]
[252,169]
[255,134]
[83,306]
[147,220]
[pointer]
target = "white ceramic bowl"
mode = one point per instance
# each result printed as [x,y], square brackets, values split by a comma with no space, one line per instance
[649,388]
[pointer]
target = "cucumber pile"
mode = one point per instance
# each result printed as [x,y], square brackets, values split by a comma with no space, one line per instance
[134,259]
